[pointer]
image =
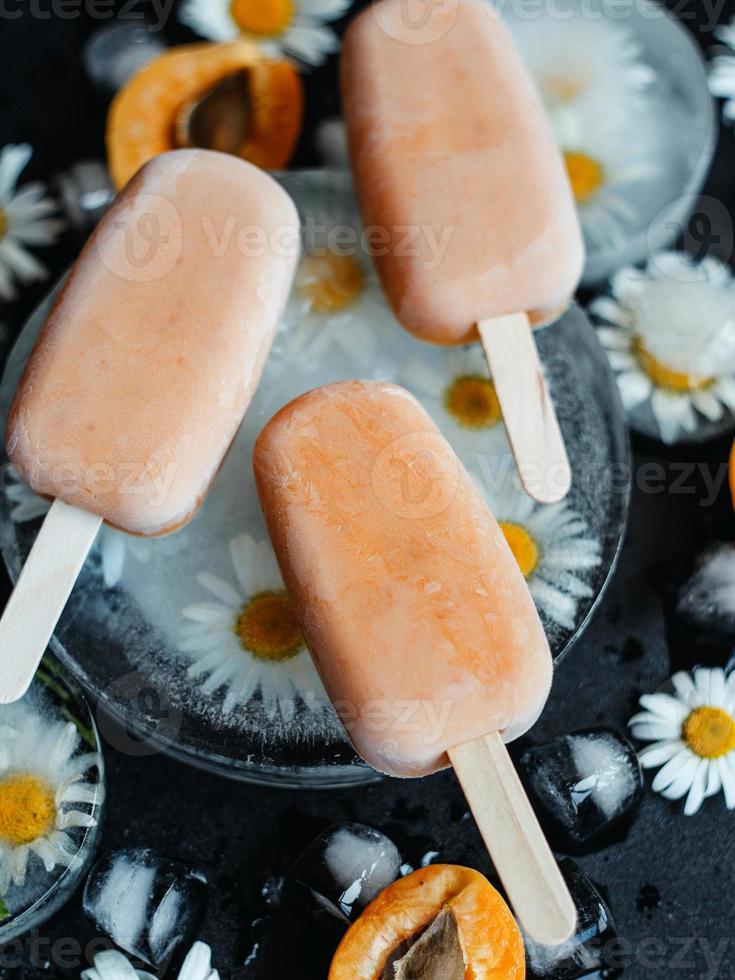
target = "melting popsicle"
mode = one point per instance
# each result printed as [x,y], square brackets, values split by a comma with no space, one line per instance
[144,369]
[415,611]
[466,200]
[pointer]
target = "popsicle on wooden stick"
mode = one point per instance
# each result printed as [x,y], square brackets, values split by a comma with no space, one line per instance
[143,371]
[466,197]
[415,611]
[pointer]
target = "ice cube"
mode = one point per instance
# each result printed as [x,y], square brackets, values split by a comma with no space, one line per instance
[296,936]
[593,951]
[583,786]
[147,904]
[706,602]
[115,52]
[348,864]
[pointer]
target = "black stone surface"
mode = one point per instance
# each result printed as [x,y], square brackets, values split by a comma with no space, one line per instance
[670,883]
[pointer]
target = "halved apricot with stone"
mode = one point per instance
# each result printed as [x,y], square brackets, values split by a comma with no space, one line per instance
[219,96]
[443,921]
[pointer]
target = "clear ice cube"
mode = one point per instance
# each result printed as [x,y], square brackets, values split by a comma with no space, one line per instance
[593,951]
[706,601]
[583,786]
[296,936]
[349,864]
[147,904]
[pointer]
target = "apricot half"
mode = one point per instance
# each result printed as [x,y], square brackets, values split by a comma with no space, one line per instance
[219,96]
[437,912]
[731,474]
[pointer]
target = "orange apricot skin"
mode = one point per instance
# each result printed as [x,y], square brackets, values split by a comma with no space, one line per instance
[491,940]
[731,474]
[141,119]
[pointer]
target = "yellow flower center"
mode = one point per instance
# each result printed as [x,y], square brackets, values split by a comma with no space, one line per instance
[709,732]
[586,175]
[664,377]
[27,808]
[561,89]
[473,402]
[524,548]
[330,282]
[268,628]
[262,18]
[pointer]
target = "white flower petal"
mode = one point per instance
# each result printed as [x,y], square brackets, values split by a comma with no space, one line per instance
[665,706]
[634,388]
[659,753]
[678,779]
[696,794]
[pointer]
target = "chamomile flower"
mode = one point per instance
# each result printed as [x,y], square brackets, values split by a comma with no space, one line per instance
[42,786]
[111,964]
[693,736]
[605,168]
[329,291]
[460,396]
[595,64]
[24,220]
[279,27]
[114,546]
[551,544]
[246,638]
[329,312]
[721,74]
[669,334]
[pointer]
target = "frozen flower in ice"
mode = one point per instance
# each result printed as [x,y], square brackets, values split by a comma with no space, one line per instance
[552,546]
[669,334]
[604,168]
[41,786]
[246,638]
[460,396]
[280,27]
[592,63]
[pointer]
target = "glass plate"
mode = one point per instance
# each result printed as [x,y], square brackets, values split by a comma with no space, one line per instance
[121,632]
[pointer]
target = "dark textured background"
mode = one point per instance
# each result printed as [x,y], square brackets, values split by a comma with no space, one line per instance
[670,883]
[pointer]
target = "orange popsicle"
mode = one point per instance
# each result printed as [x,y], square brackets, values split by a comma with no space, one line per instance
[412,604]
[451,147]
[148,361]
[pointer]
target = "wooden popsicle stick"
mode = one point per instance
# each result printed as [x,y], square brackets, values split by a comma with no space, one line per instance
[528,412]
[40,594]
[520,853]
